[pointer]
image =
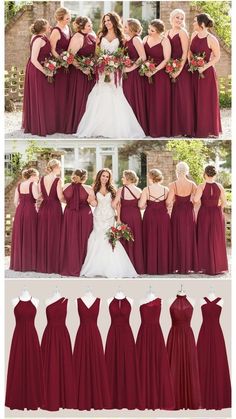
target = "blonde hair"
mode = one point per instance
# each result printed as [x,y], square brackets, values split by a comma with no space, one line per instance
[177,12]
[131,176]
[182,168]
[79,176]
[156,175]
[52,164]
[61,12]
[38,26]
[135,26]
[27,173]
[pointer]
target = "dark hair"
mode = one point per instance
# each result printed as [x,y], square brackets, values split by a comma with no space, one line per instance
[158,25]
[31,171]
[79,176]
[80,22]
[38,26]
[109,186]
[117,26]
[210,171]
[206,19]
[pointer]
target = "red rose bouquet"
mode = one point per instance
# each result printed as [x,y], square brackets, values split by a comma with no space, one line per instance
[51,66]
[172,67]
[86,64]
[121,231]
[65,59]
[147,67]
[197,61]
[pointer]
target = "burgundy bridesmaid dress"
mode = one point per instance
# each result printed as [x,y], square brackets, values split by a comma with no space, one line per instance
[131,215]
[182,352]
[91,381]
[157,237]
[24,233]
[182,105]
[211,232]
[134,88]
[25,381]
[57,359]
[121,358]
[49,230]
[61,84]
[155,377]
[212,357]
[206,95]
[184,241]
[158,96]
[39,106]
[76,228]
[79,87]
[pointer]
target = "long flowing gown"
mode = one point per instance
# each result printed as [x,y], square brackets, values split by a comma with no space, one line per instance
[101,259]
[212,358]
[108,113]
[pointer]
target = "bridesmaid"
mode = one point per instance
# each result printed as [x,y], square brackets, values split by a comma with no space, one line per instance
[24,233]
[77,223]
[183,224]
[126,201]
[50,219]
[133,85]
[83,44]
[39,105]
[156,226]
[60,39]
[158,93]
[206,97]
[182,110]
[211,225]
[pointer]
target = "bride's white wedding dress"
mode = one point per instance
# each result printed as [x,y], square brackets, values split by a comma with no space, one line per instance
[108,113]
[101,260]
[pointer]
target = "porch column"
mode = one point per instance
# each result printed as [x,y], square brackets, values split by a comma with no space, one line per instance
[126,10]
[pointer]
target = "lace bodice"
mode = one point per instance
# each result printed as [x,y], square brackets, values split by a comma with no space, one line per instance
[103,213]
[109,46]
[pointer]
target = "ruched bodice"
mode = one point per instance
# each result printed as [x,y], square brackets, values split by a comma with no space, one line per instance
[199,46]
[150,312]
[176,47]
[181,311]
[155,53]
[25,313]
[56,312]
[120,312]
[211,195]
[88,315]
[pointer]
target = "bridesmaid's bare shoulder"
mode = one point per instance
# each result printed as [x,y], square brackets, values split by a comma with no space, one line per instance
[183,33]
[145,39]
[213,39]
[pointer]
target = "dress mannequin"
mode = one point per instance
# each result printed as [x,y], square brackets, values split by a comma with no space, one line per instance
[88,298]
[55,296]
[182,293]
[120,296]
[212,296]
[150,296]
[25,296]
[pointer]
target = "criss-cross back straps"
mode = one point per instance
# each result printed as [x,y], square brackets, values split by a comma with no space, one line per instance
[158,199]
[123,192]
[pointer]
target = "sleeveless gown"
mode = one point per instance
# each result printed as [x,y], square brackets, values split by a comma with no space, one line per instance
[211,232]
[158,96]
[76,227]
[108,113]
[57,359]
[121,358]
[206,95]
[212,357]
[101,260]
[39,105]
[157,237]
[130,214]
[91,379]
[25,381]
[79,87]
[184,243]
[49,230]
[182,352]
[61,84]
[134,88]
[182,106]
[24,233]
[155,377]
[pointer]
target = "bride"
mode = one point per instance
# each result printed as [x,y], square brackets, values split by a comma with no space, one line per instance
[101,260]
[108,113]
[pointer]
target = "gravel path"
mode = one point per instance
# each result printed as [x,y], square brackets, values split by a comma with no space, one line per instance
[13,122]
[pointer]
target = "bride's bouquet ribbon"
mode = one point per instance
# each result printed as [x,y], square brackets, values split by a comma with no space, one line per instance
[111,63]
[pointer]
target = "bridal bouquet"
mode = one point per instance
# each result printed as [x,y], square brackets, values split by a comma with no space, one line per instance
[65,59]
[111,63]
[197,61]
[172,67]
[86,64]
[121,231]
[50,66]
[147,67]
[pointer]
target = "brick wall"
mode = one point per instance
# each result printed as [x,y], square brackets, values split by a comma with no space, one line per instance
[163,161]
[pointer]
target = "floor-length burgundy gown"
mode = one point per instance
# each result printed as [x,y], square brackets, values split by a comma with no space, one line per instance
[121,358]
[39,105]
[61,83]
[182,352]
[76,228]
[158,96]
[24,233]
[134,88]
[130,214]
[211,239]
[157,237]
[25,381]
[183,230]
[91,380]
[155,377]
[182,103]
[57,359]
[212,358]
[79,87]
[49,230]
[206,95]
